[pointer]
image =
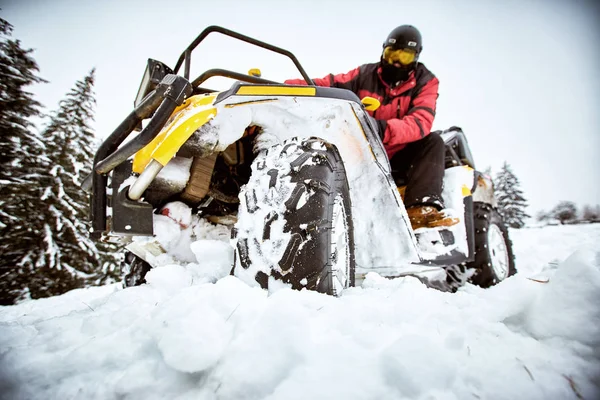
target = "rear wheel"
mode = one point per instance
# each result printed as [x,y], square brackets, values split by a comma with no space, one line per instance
[494,258]
[295,222]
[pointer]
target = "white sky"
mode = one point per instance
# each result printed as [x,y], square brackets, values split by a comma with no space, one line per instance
[520,77]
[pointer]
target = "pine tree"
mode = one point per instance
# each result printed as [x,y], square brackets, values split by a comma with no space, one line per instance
[66,248]
[21,156]
[59,255]
[17,71]
[511,203]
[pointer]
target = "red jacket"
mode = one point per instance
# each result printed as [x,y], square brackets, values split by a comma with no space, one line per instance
[407,111]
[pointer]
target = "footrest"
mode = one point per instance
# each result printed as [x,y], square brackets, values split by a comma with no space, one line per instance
[434,239]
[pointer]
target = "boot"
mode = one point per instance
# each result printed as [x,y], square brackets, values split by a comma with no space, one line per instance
[429,217]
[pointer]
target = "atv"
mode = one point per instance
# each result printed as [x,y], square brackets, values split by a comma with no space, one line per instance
[300,176]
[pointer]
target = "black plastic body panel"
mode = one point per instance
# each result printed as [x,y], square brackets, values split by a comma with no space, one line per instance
[332,93]
[129,217]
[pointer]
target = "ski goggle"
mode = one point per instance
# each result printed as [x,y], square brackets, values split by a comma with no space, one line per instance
[402,56]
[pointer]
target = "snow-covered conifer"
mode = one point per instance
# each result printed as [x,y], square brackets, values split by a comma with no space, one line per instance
[66,244]
[18,70]
[511,203]
[21,155]
[60,255]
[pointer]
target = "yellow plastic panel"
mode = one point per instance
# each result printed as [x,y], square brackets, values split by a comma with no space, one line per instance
[185,120]
[196,101]
[466,192]
[276,90]
[175,139]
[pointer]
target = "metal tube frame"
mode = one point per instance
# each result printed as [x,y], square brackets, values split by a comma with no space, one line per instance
[186,55]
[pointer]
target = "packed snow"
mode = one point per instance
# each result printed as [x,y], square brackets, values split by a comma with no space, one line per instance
[194,332]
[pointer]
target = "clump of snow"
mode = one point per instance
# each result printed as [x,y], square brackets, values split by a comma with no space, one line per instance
[178,212]
[176,173]
[169,278]
[175,240]
[178,231]
[214,259]
[190,339]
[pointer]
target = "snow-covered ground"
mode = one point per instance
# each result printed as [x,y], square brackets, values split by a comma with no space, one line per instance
[534,336]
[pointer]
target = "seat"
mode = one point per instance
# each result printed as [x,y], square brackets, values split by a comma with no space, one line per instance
[457,148]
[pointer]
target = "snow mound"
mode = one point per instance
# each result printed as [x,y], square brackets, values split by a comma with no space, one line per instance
[189,334]
[571,299]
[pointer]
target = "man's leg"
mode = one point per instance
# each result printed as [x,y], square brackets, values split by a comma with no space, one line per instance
[423,163]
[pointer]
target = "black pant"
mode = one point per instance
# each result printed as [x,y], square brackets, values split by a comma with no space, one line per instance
[420,166]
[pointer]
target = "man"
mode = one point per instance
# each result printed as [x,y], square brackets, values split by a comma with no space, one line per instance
[408,93]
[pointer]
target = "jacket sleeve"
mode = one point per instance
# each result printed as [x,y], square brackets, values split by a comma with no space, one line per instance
[417,122]
[343,81]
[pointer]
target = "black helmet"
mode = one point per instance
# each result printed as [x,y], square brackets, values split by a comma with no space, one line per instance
[405,37]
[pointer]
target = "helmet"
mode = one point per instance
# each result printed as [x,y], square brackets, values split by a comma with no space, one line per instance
[400,53]
[405,37]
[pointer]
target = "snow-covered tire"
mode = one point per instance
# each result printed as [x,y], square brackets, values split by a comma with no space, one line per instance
[134,269]
[494,259]
[294,221]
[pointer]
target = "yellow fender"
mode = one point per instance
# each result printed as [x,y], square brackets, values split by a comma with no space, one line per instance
[185,120]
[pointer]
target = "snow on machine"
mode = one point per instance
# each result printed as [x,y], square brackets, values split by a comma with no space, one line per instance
[297,174]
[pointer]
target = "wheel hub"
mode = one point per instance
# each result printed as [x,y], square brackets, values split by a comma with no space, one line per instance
[340,256]
[498,252]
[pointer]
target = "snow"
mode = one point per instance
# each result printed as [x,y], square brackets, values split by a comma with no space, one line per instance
[176,172]
[188,335]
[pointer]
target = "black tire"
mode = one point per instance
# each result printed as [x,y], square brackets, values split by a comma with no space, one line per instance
[301,182]
[494,257]
[135,270]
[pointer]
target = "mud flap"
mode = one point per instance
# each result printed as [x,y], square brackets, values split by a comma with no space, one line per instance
[129,217]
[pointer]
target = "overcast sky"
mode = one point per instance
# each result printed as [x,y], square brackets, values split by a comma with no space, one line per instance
[520,77]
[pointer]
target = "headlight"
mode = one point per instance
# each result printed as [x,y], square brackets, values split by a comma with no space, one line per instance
[155,71]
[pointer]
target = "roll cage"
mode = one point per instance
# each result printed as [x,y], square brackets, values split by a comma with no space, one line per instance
[185,60]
